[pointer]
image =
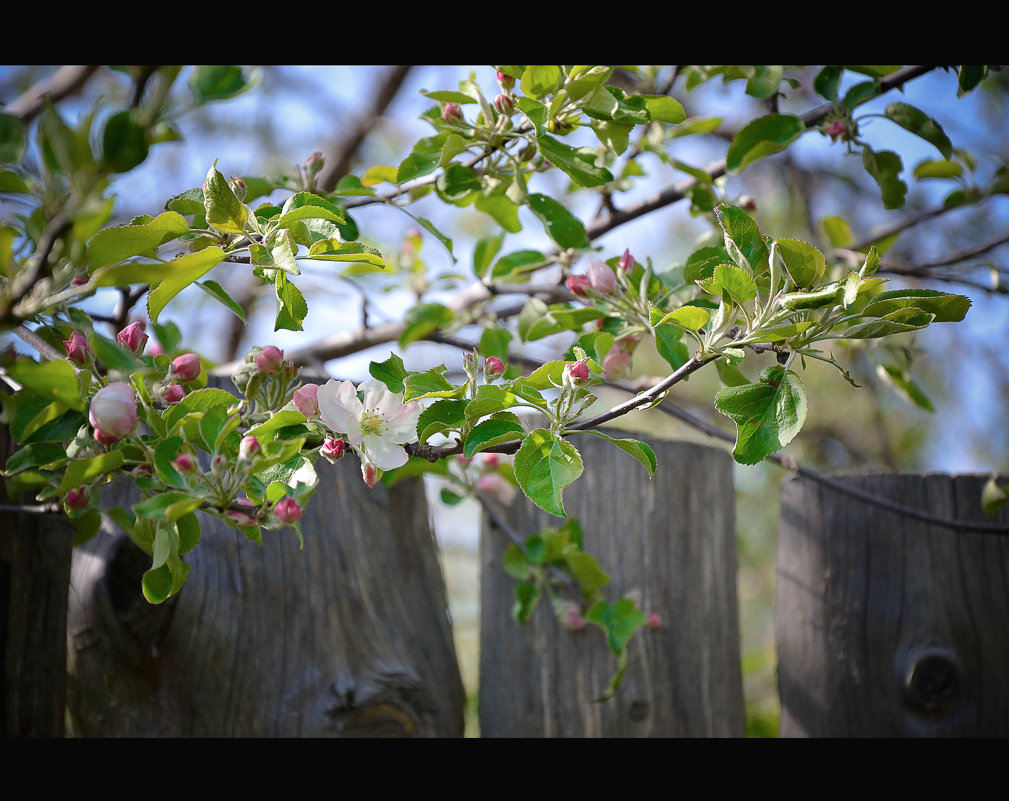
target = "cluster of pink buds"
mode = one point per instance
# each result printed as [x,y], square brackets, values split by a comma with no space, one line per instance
[270,359]
[835,128]
[288,510]
[77,498]
[598,277]
[493,367]
[506,80]
[504,103]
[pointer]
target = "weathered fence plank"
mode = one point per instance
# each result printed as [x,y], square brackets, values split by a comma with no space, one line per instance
[348,638]
[34,576]
[669,541]
[889,626]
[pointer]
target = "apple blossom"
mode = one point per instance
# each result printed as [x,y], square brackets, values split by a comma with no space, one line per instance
[306,400]
[627,261]
[248,448]
[579,371]
[113,412]
[77,348]
[616,363]
[186,367]
[133,337]
[376,427]
[654,621]
[451,113]
[184,463]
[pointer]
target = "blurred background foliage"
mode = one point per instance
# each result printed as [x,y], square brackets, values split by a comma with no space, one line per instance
[342,112]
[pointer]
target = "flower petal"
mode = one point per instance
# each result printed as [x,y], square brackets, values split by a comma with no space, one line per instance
[339,407]
[384,454]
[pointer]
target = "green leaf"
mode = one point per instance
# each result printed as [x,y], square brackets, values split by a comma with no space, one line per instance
[216,82]
[861,93]
[85,471]
[993,497]
[779,333]
[489,433]
[494,342]
[335,250]
[521,261]
[490,399]
[828,81]
[907,387]
[579,164]
[920,124]
[561,225]
[667,343]
[309,206]
[225,211]
[641,451]
[12,139]
[838,231]
[124,142]
[898,322]
[946,308]
[430,384]
[484,252]
[185,270]
[939,168]
[767,415]
[663,108]
[740,229]
[423,320]
[291,306]
[391,372]
[540,80]
[446,414]
[735,281]
[527,595]
[619,620]
[587,572]
[762,137]
[504,212]
[544,466]
[885,167]
[36,455]
[217,292]
[113,245]
[804,263]
[53,381]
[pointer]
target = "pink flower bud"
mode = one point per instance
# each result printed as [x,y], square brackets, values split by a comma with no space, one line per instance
[80,280]
[113,412]
[77,348]
[616,363]
[463,460]
[627,262]
[242,518]
[451,113]
[219,466]
[314,162]
[185,463]
[248,448]
[504,104]
[834,128]
[156,349]
[601,278]
[186,367]
[133,337]
[288,510]
[238,187]
[78,498]
[579,371]
[490,482]
[270,359]
[491,460]
[493,367]
[306,400]
[506,80]
[577,284]
[371,474]
[654,621]
[173,393]
[573,619]
[333,449]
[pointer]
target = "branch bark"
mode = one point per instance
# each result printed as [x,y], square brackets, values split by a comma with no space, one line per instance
[65,81]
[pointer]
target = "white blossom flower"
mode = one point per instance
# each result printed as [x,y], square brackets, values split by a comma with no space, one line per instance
[377,425]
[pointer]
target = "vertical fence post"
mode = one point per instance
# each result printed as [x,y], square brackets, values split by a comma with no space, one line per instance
[669,542]
[887,625]
[349,637]
[34,577]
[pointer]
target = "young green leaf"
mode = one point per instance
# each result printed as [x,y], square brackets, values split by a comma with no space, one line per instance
[919,123]
[767,415]
[544,466]
[762,137]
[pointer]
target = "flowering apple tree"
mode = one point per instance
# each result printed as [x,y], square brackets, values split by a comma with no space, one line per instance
[93,407]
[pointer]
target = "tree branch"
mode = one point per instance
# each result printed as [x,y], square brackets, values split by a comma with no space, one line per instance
[337,167]
[65,81]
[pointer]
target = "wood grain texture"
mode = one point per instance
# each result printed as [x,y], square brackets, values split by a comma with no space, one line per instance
[34,577]
[670,543]
[888,626]
[348,638]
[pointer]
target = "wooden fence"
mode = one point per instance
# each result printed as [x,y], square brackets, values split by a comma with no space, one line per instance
[887,625]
